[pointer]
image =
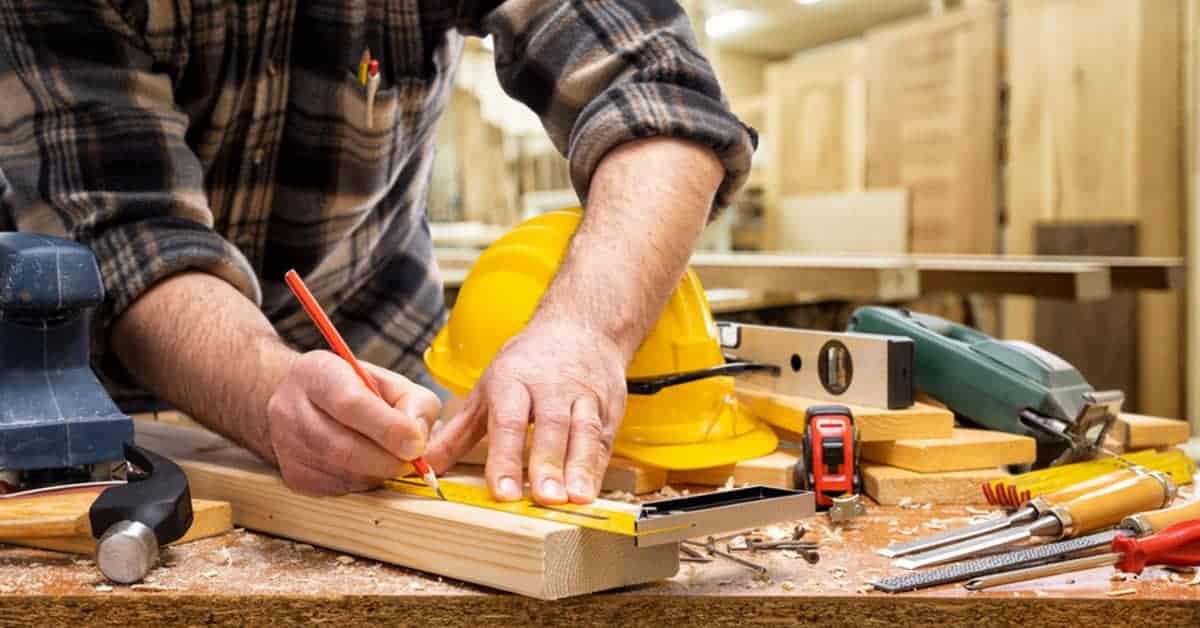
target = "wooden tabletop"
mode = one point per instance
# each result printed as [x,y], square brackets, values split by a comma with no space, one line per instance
[244,577]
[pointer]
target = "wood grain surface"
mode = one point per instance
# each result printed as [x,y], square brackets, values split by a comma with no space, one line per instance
[245,578]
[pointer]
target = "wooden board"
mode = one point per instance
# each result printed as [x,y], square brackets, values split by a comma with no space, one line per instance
[867,222]
[1059,279]
[1132,432]
[1094,134]
[523,555]
[891,485]
[967,449]
[774,469]
[932,125]
[1097,338]
[210,518]
[815,130]
[874,424]
[875,278]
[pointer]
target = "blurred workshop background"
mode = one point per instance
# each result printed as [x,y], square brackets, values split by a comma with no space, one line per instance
[926,133]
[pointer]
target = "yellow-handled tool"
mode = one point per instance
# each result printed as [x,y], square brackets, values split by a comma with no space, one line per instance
[1095,510]
[1136,525]
[1029,512]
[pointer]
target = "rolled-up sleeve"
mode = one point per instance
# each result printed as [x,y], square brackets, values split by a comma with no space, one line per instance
[603,72]
[93,148]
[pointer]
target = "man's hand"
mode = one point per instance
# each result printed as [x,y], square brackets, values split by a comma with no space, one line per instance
[571,381]
[331,435]
[566,371]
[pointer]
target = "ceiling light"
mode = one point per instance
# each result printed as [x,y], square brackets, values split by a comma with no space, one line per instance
[727,23]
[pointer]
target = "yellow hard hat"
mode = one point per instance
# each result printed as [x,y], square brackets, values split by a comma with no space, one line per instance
[693,425]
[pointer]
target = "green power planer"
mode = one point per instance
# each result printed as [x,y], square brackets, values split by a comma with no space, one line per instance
[1010,386]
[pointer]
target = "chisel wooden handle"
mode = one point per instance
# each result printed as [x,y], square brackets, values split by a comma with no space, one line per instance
[1109,505]
[1044,503]
[1156,520]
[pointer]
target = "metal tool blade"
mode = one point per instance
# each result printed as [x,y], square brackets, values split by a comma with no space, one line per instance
[1042,571]
[965,549]
[958,535]
[966,570]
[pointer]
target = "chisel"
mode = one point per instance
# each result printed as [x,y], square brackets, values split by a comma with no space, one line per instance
[1178,546]
[1030,512]
[1092,511]
[1138,525]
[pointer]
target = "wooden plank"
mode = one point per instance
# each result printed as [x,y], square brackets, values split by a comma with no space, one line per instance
[938,72]
[816,129]
[967,449]
[1094,134]
[868,222]
[891,485]
[1097,338]
[1062,280]
[1132,432]
[1191,155]
[883,278]
[774,469]
[523,555]
[210,518]
[874,424]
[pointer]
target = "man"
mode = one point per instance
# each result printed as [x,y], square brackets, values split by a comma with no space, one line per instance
[204,147]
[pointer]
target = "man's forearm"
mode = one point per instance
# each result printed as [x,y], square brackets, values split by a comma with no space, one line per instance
[648,203]
[199,344]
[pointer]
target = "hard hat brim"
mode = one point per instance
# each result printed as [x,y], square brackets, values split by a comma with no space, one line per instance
[759,441]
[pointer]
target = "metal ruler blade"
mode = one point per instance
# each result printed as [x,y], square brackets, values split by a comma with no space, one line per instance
[842,367]
[652,523]
[966,570]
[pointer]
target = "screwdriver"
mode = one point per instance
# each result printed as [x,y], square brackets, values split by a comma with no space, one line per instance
[339,346]
[1030,512]
[1098,509]
[1140,524]
[1177,546]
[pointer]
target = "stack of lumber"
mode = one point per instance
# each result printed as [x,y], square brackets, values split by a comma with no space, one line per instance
[911,455]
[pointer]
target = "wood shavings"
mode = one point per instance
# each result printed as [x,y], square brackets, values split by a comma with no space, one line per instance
[838,573]
[728,485]
[151,588]
[927,506]
[978,511]
[978,519]
[864,588]
[1119,592]
[906,503]
[1194,581]
[212,573]
[416,586]
[908,531]
[102,588]
[776,533]
[762,577]
[302,547]
[620,496]
[1040,593]
[738,542]
[667,492]
[722,583]
[4,588]
[789,554]
[787,585]
[345,560]
[227,556]
[935,524]
[1122,576]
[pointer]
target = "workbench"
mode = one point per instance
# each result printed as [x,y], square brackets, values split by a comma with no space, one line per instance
[248,578]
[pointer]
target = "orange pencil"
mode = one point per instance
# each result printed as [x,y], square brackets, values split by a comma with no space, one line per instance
[339,346]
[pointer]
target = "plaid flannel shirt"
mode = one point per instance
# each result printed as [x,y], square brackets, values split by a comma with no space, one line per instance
[230,137]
